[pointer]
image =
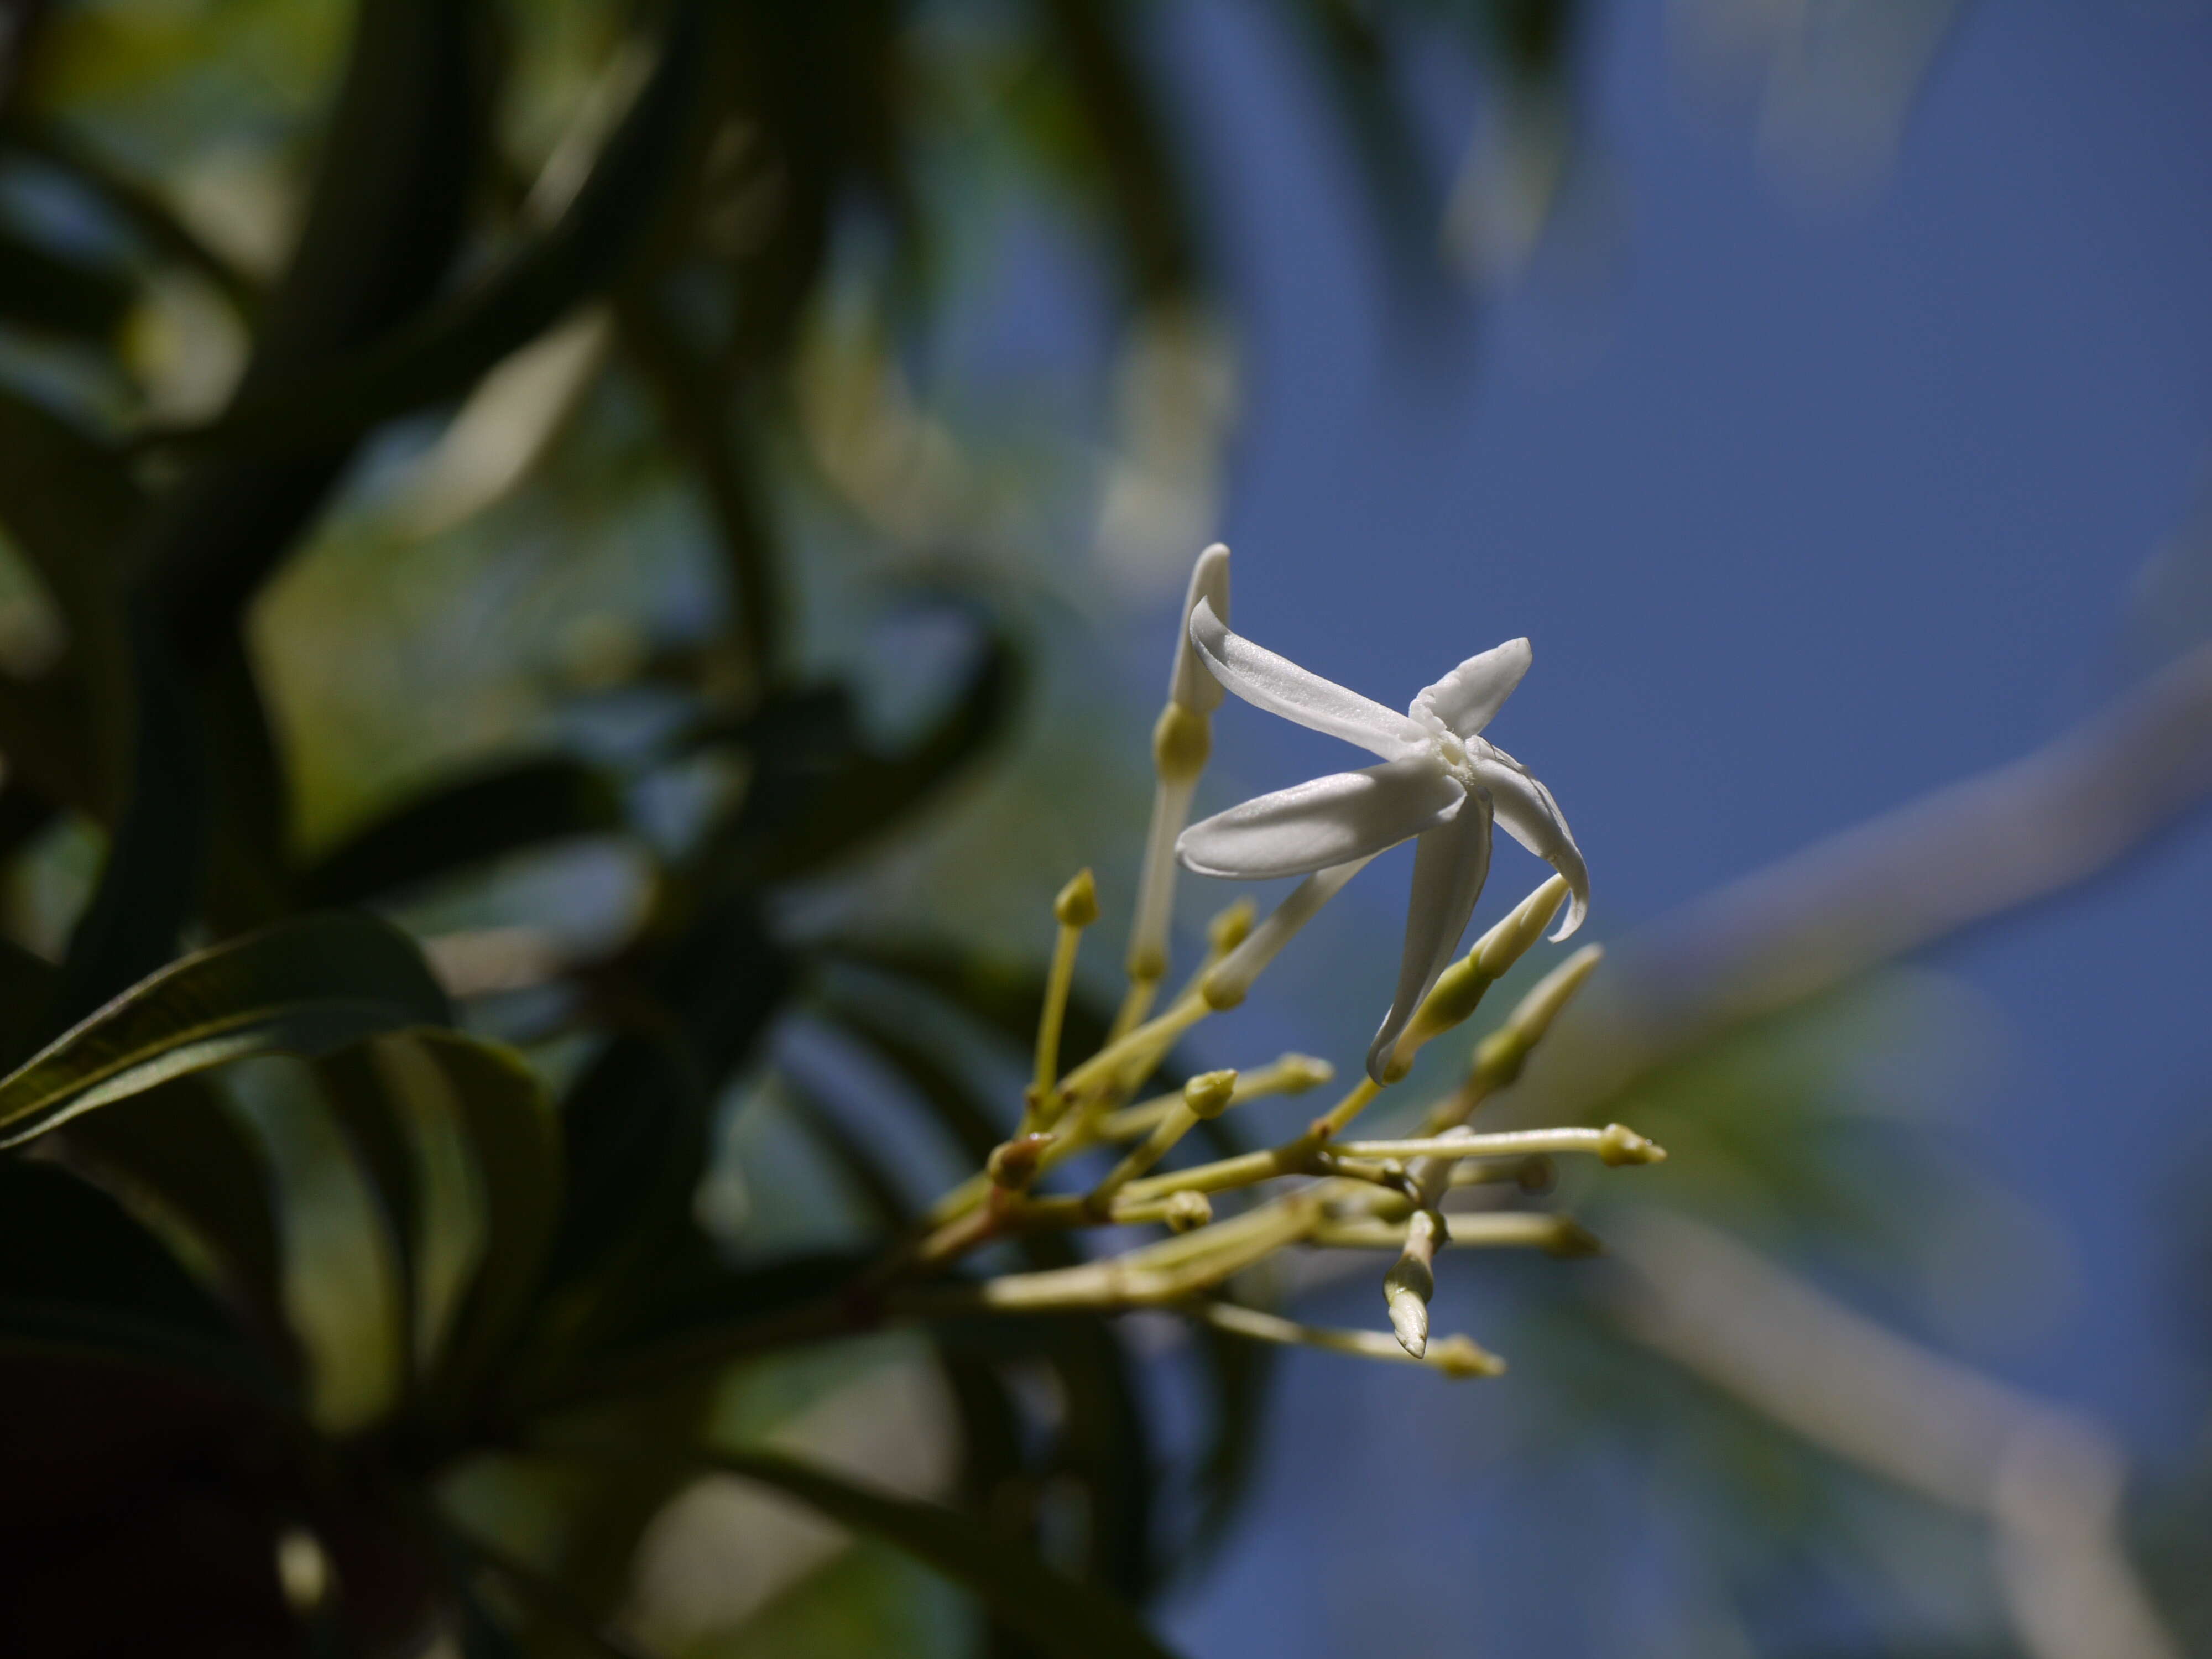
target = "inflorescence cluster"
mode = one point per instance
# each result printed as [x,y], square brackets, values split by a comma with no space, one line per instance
[1439,783]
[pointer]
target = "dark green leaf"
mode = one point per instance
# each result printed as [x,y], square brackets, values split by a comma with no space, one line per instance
[1062,1618]
[362,1097]
[1004,995]
[54,293]
[827,819]
[138,205]
[179,1145]
[1129,148]
[26,980]
[528,804]
[70,504]
[623,202]
[1237,1375]
[973,1127]
[514,1141]
[78,1277]
[149,883]
[302,988]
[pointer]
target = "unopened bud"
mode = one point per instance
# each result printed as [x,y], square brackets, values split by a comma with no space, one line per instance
[1077,905]
[1618,1144]
[1294,1074]
[1186,1212]
[1191,684]
[1533,1014]
[1569,1238]
[1209,1093]
[1522,926]
[1407,1288]
[1230,927]
[1460,1356]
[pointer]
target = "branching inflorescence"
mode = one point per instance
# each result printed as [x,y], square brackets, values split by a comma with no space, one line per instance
[1440,782]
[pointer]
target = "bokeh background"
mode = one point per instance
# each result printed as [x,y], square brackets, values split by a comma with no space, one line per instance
[1824,388]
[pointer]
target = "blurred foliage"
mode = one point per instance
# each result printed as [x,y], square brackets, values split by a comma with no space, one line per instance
[474,463]
[409,415]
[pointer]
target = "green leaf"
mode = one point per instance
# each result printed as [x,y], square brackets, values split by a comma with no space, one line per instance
[80,1279]
[1129,152]
[149,883]
[528,804]
[473,1243]
[1061,1617]
[181,1146]
[1237,1375]
[68,503]
[819,820]
[514,1141]
[302,988]
[137,204]
[624,200]
[56,294]
[1004,995]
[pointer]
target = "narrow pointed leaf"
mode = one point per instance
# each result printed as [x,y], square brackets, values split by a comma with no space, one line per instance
[529,804]
[303,988]
[1063,1619]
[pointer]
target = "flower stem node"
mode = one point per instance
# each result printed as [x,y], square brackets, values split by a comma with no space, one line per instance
[1209,1093]
[1618,1144]
[1186,1212]
[1076,903]
[1014,1163]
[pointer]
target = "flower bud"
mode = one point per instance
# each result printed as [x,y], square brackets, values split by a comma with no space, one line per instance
[1522,926]
[1407,1288]
[1191,685]
[1618,1144]
[1077,905]
[1186,1212]
[1458,1357]
[1230,927]
[1209,1093]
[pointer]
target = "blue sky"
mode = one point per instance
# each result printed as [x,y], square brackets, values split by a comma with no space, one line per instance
[1806,513]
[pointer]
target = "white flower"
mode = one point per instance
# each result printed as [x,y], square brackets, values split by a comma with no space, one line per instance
[1439,780]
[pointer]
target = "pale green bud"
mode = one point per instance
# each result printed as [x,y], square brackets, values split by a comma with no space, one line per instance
[1209,1093]
[1077,904]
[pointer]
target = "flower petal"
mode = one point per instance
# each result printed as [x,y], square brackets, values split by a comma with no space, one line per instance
[1189,686]
[1448,870]
[1331,820]
[1532,817]
[1465,698]
[1281,687]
